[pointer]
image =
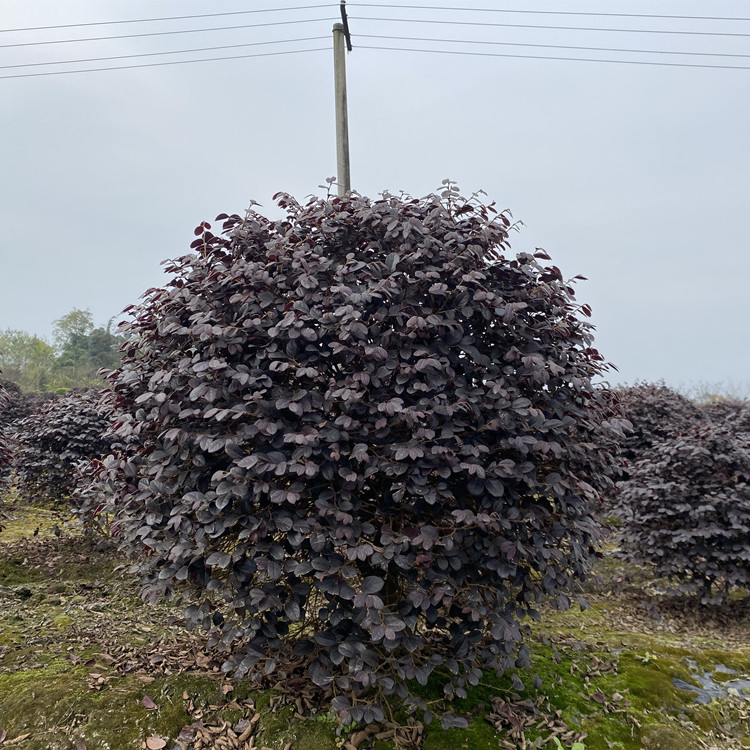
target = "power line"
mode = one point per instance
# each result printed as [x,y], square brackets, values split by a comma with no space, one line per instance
[164,33]
[370,36]
[168,62]
[549,57]
[551,12]
[155,54]
[550,46]
[558,28]
[377,5]
[361,18]
[168,18]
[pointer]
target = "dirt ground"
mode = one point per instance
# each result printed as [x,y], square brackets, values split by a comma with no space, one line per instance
[86,665]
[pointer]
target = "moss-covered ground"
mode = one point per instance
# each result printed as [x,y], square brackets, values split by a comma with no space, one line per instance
[84,663]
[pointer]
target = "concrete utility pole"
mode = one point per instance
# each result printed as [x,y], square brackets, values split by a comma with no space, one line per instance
[341,41]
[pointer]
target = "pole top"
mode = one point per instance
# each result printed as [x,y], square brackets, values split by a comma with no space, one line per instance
[345,22]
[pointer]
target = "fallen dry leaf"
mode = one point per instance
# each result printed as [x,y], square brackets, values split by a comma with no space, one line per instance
[246,733]
[186,735]
[148,702]
[155,743]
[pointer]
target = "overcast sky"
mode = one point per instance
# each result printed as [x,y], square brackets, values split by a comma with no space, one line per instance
[635,176]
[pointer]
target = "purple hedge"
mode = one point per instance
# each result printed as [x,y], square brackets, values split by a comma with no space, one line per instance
[13,408]
[686,510]
[14,404]
[365,433]
[52,441]
[657,413]
[730,414]
[5,453]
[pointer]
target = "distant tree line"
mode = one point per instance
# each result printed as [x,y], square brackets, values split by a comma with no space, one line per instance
[78,351]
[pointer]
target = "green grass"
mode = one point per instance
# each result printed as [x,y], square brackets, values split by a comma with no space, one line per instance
[62,606]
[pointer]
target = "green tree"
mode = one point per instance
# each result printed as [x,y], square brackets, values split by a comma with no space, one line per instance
[78,353]
[26,359]
[71,328]
[102,347]
[83,350]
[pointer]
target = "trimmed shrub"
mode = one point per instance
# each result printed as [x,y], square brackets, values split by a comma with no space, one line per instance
[12,406]
[657,413]
[18,404]
[730,414]
[52,441]
[13,409]
[364,435]
[5,454]
[686,510]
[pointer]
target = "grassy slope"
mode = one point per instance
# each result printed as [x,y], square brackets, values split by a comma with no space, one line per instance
[79,654]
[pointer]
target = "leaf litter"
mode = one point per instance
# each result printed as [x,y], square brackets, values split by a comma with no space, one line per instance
[80,612]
